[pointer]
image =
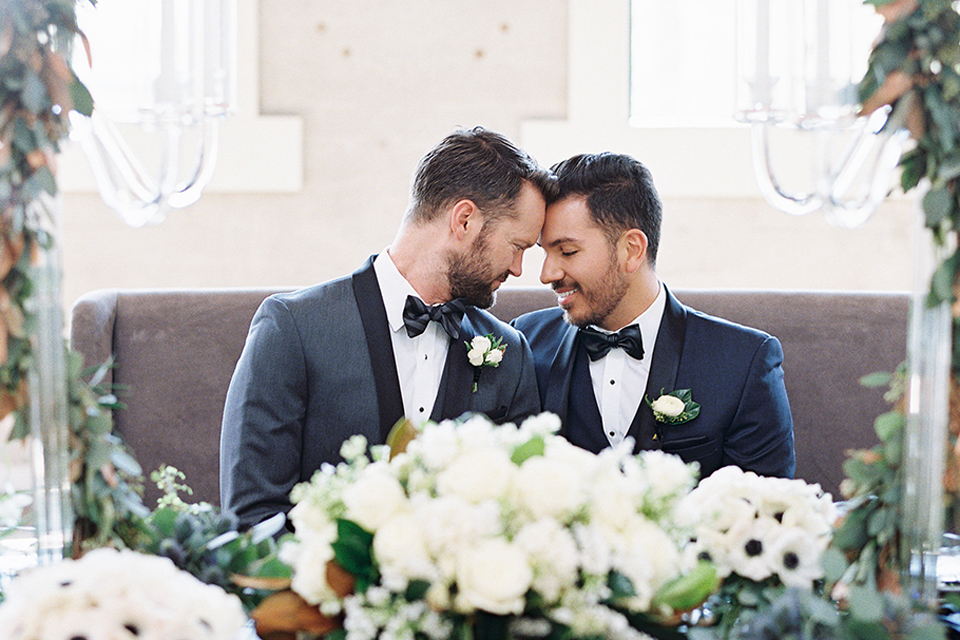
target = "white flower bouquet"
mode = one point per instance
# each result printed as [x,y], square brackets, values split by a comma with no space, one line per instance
[117,595]
[763,535]
[475,527]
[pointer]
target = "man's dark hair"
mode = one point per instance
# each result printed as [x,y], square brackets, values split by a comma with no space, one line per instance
[479,165]
[619,192]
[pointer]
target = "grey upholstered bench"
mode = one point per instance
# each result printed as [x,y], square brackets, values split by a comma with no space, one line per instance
[175,351]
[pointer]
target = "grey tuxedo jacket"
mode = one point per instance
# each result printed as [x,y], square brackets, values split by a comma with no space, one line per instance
[734,372]
[318,367]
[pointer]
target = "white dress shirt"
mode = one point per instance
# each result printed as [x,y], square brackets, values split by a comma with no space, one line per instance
[419,360]
[620,381]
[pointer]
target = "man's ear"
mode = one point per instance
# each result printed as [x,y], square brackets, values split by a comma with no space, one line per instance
[633,249]
[465,219]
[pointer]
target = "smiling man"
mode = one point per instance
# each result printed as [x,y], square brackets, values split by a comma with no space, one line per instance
[354,355]
[619,339]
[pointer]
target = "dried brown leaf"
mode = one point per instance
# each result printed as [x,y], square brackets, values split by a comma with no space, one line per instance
[281,615]
[893,88]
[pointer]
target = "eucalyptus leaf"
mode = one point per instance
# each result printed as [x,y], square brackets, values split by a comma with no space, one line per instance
[876,379]
[865,603]
[937,205]
[34,96]
[834,564]
[888,424]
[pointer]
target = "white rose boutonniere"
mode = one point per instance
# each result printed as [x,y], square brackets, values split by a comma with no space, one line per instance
[484,351]
[675,407]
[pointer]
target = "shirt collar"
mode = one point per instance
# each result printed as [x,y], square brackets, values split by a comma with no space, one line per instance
[394,289]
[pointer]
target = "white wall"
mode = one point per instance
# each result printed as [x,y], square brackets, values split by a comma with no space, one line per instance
[377,83]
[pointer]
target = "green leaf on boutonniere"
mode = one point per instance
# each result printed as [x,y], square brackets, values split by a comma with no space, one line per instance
[668,410]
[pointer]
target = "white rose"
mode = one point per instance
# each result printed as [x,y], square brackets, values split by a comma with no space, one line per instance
[475,357]
[493,576]
[495,356]
[549,487]
[481,344]
[483,474]
[374,498]
[670,406]
[553,555]
[400,551]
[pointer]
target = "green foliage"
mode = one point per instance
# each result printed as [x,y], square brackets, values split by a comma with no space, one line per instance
[353,550]
[205,542]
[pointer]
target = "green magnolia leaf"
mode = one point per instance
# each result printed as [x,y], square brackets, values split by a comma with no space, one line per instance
[353,551]
[941,283]
[82,100]
[688,591]
[416,590]
[535,446]
[620,586]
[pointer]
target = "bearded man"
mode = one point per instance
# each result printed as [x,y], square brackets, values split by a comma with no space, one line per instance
[354,355]
[620,340]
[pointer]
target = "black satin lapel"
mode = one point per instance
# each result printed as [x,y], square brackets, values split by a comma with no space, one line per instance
[663,370]
[456,383]
[561,371]
[373,315]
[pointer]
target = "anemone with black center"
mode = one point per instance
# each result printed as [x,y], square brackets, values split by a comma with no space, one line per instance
[753,548]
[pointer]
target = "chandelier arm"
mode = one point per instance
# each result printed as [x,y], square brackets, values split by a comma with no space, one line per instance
[793,204]
[189,191]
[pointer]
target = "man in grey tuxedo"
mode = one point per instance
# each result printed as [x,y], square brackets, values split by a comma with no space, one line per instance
[619,338]
[354,355]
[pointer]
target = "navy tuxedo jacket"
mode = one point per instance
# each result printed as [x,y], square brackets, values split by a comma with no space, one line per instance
[318,367]
[734,373]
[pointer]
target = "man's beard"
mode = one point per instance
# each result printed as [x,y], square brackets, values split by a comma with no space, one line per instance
[471,277]
[602,300]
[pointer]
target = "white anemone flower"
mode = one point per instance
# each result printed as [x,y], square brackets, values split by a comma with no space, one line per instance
[796,557]
[751,554]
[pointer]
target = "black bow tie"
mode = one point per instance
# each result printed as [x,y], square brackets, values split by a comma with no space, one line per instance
[598,344]
[417,315]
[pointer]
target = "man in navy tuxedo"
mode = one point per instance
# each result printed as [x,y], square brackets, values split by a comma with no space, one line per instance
[354,355]
[619,339]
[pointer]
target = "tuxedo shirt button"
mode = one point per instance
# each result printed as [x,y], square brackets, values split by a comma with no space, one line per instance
[612,434]
[421,409]
[613,382]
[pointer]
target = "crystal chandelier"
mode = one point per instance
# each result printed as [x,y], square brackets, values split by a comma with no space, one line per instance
[799,62]
[162,74]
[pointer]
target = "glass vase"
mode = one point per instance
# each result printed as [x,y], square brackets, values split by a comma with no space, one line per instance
[38,460]
[925,433]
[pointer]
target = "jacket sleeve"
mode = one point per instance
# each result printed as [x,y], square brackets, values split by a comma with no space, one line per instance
[261,434]
[526,397]
[760,439]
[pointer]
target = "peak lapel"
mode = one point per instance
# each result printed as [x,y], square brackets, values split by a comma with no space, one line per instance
[373,315]
[556,396]
[663,370]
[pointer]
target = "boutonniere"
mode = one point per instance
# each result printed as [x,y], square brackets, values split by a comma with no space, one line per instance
[675,407]
[484,351]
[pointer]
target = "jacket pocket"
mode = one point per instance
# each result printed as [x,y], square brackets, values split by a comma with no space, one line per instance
[690,449]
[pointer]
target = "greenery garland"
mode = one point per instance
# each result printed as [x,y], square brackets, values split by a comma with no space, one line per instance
[38,89]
